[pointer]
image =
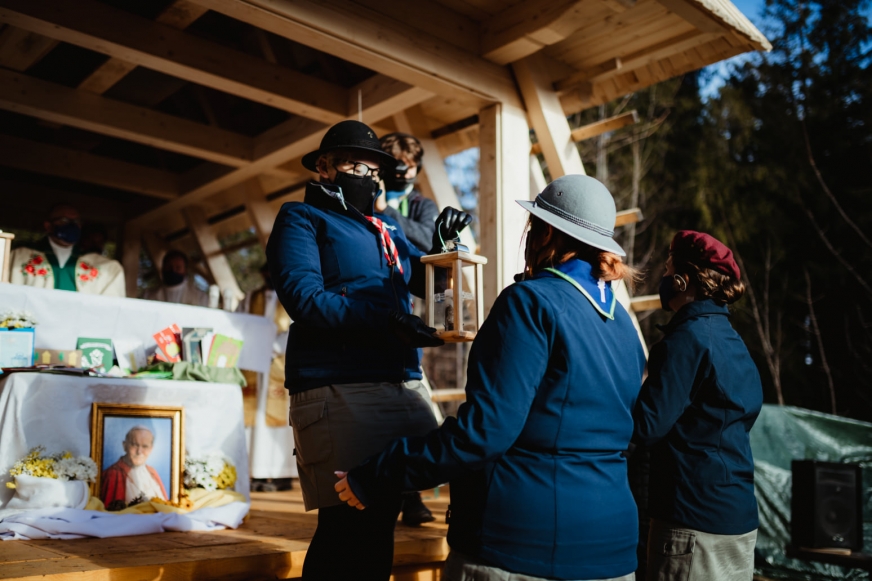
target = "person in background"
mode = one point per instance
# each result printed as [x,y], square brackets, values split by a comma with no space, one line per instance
[695,411]
[415,214]
[353,361]
[177,286]
[535,457]
[58,261]
[94,238]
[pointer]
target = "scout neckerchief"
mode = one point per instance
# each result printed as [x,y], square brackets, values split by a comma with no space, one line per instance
[600,305]
[387,244]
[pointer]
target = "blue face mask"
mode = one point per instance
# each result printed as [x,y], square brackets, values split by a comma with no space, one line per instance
[69,232]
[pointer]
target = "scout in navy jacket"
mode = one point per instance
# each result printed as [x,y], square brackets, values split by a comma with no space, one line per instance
[333,278]
[538,482]
[702,396]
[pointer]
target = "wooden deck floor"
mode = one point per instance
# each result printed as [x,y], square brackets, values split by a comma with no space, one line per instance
[271,544]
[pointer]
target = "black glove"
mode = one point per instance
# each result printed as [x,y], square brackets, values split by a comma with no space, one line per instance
[412,331]
[449,224]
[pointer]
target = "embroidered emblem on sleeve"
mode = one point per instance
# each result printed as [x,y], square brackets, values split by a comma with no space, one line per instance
[86,272]
[36,266]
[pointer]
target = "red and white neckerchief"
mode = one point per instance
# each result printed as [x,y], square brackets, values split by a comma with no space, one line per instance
[387,244]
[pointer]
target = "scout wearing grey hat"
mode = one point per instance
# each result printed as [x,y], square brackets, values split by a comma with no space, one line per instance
[581,207]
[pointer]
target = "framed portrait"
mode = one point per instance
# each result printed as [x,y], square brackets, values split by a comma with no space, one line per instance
[139,452]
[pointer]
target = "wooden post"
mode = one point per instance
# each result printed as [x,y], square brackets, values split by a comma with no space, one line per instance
[547,117]
[504,167]
[218,265]
[537,177]
[130,251]
[155,247]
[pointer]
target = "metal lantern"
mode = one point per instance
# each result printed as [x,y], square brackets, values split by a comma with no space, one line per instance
[454,311]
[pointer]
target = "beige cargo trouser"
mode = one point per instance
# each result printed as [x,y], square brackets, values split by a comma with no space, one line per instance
[676,553]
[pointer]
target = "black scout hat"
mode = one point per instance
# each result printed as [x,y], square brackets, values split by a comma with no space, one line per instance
[349,135]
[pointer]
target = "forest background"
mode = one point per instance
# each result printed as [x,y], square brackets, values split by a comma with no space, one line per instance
[774,158]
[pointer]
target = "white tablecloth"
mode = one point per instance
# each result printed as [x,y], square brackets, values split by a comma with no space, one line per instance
[55,411]
[64,316]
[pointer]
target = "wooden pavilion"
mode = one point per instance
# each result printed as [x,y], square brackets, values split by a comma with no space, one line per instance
[177,122]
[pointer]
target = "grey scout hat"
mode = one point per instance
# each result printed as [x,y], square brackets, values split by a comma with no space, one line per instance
[581,207]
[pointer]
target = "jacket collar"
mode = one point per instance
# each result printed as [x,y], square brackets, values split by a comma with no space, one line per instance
[598,293]
[703,308]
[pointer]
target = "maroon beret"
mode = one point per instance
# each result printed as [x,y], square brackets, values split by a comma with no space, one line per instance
[705,251]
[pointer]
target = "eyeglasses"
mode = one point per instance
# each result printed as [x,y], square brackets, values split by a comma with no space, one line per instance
[358,168]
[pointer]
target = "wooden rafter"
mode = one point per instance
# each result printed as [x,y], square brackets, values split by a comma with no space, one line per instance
[130,38]
[50,102]
[87,167]
[180,14]
[291,140]
[527,27]
[21,49]
[370,39]
[641,58]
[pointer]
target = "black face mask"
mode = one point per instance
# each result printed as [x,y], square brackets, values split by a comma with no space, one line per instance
[358,191]
[69,232]
[667,292]
[172,278]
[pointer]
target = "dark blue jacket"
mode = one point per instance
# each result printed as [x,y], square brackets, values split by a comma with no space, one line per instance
[538,482]
[696,410]
[333,279]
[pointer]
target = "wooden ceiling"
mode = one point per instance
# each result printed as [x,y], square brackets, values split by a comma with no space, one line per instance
[145,108]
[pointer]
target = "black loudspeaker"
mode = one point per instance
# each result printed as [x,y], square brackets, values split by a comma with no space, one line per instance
[826,507]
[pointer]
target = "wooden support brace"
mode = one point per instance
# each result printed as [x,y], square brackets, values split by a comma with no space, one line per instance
[645,303]
[630,216]
[547,118]
[210,248]
[259,210]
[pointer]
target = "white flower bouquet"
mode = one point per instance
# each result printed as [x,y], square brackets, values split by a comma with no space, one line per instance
[212,471]
[42,481]
[17,320]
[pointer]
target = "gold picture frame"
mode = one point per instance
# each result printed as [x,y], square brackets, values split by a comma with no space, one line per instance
[125,428]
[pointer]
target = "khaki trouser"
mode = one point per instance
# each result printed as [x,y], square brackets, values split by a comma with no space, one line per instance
[676,553]
[459,567]
[336,427]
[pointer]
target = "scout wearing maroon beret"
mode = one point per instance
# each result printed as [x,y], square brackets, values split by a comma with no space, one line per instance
[695,412]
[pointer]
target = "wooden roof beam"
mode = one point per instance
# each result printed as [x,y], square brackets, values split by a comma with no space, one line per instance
[127,37]
[597,128]
[290,140]
[378,42]
[180,14]
[526,28]
[87,167]
[58,104]
[20,49]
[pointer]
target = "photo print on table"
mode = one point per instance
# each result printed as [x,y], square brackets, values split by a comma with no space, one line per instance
[139,453]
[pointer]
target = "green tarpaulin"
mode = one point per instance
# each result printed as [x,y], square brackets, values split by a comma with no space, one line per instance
[781,435]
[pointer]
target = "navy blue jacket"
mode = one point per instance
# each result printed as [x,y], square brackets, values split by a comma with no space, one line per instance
[695,410]
[538,482]
[333,279]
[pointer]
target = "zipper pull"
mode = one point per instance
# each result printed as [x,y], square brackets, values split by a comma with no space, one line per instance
[344,290]
[342,199]
[602,286]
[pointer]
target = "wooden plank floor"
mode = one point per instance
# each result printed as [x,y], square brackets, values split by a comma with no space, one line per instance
[270,544]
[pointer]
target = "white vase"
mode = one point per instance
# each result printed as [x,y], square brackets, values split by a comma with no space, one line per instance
[35,492]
